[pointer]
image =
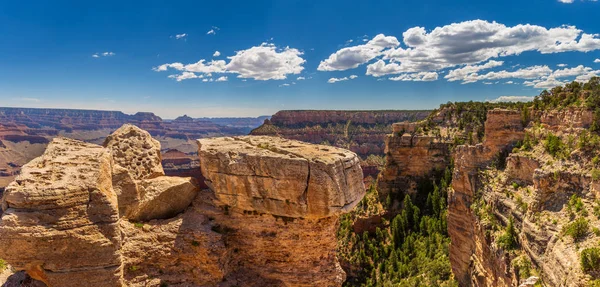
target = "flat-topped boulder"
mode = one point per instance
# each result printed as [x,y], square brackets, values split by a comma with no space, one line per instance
[280,176]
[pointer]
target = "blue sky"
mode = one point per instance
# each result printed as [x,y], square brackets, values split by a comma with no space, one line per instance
[273,55]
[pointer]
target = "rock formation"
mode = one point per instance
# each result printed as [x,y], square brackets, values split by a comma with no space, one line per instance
[81,213]
[60,220]
[281,177]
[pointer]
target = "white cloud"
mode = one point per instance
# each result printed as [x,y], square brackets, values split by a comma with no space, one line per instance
[511,99]
[216,54]
[264,62]
[185,76]
[221,79]
[180,36]
[597,61]
[465,43]
[284,85]
[213,31]
[300,78]
[461,74]
[104,54]
[418,77]
[352,57]
[561,65]
[509,82]
[566,1]
[352,77]
[334,80]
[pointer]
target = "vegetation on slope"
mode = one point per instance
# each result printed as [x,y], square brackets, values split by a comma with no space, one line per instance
[409,246]
[411,249]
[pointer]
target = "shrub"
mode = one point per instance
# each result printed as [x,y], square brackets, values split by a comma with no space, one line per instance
[521,205]
[515,185]
[138,224]
[3,265]
[553,145]
[577,229]
[596,174]
[508,240]
[590,259]
[575,203]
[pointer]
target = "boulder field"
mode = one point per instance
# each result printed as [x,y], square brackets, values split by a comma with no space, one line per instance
[88,215]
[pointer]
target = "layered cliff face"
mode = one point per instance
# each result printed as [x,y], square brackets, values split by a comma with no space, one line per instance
[362,132]
[108,216]
[523,203]
[25,133]
[410,158]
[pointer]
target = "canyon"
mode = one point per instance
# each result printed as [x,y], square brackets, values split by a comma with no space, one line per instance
[25,133]
[470,194]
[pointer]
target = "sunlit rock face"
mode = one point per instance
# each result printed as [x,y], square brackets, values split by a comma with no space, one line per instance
[108,216]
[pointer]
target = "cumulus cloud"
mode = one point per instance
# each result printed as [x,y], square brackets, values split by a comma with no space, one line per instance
[561,65]
[264,62]
[418,77]
[512,99]
[180,36]
[461,74]
[335,80]
[467,44]
[185,76]
[284,85]
[104,54]
[300,78]
[221,79]
[532,72]
[597,61]
[352,57]
[216,54]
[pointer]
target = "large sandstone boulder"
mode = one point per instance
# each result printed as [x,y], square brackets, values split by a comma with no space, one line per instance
[163,197]
[281,177]
[135,150]
[60,220]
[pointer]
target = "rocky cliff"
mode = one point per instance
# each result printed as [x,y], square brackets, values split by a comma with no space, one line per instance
[362,132]
[108,216]
[521,203]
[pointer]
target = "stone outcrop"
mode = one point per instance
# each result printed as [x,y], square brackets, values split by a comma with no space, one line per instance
[411,158]
[79,213]
[60,220]
[281,177]
[503,128]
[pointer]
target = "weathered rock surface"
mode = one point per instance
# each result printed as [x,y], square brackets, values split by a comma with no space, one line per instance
[60,218]
[281,177]
[470,256]
[68,224]
[135,150]
[163,197]
[411,158]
